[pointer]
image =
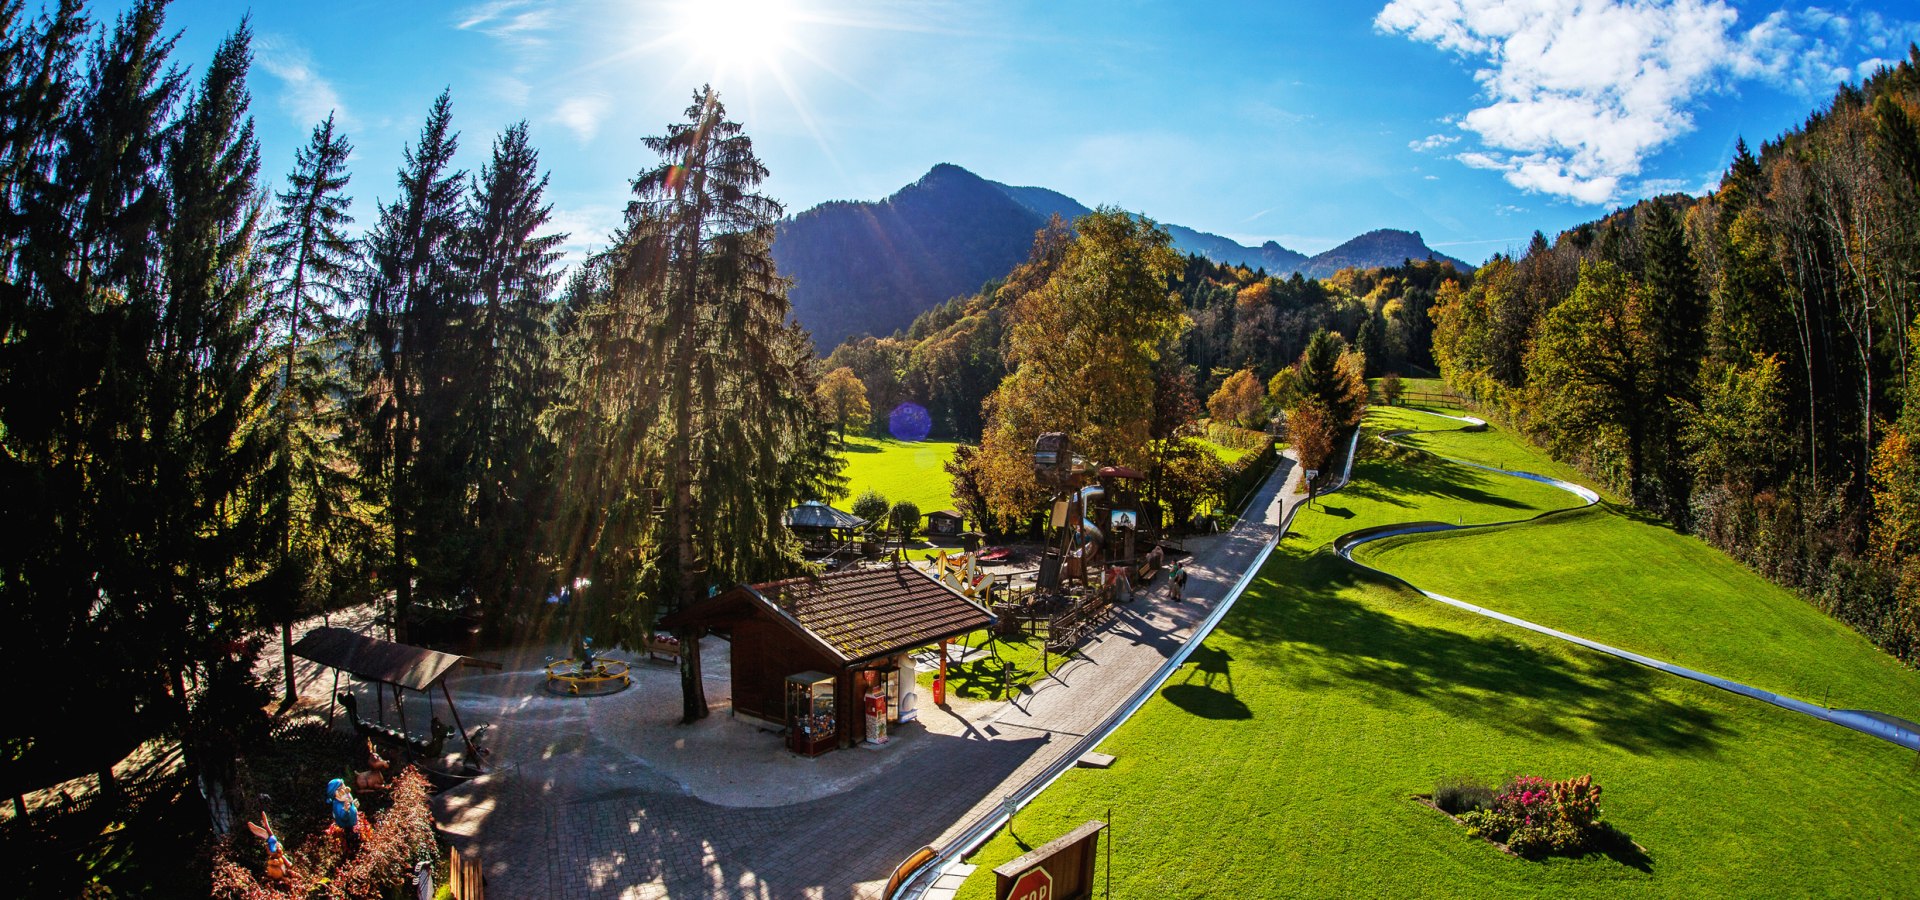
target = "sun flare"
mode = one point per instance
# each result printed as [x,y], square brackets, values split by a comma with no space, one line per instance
[738,34]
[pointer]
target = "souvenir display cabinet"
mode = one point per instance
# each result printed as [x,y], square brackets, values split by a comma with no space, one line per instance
[811,729]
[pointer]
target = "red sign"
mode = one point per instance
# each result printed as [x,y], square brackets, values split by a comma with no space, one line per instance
[1034,884]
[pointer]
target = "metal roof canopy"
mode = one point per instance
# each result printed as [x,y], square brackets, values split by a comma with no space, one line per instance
[372,659]
[814,514]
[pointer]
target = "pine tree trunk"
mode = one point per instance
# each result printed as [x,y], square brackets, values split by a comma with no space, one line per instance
[286,663]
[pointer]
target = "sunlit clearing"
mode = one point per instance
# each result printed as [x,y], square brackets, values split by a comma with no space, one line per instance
[738,34]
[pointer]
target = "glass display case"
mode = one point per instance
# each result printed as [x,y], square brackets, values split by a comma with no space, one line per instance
[811,727]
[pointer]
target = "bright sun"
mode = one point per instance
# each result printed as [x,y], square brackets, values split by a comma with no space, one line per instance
[738,34]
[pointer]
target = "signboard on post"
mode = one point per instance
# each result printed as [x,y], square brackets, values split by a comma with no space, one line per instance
[1061,869]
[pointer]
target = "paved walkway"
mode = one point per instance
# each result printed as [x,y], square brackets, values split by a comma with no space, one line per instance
[579,810]
[1880,725]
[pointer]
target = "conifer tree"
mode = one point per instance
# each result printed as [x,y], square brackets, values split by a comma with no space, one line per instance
[410,459]
[308,490]
[507,271]
[691,412]
[1676,324]
[206,401]
[83,305]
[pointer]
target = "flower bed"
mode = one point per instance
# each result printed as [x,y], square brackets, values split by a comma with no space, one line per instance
[1529,816]
[328,866]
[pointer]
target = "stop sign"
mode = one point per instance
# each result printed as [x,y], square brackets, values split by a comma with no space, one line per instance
[1033,884]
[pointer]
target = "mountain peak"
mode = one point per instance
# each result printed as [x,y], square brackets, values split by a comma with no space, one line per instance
[947,174]
[861,267]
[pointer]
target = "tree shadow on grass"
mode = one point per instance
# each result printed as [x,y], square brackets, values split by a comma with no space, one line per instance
[861,448]
[1306,623]
[1213,666]
[1425,476]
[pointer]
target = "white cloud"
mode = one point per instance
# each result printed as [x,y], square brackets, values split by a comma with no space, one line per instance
[305,94]
[1579,93]
[587,227]
[582,114]
[522,24]
[1432,142]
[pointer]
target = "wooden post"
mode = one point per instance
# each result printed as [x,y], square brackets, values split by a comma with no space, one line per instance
[472,753]
[465,878]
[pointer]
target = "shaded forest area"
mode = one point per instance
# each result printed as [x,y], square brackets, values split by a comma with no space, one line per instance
[1743,364]
[222,413]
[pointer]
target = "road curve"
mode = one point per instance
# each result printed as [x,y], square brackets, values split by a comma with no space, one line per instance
[1889,728]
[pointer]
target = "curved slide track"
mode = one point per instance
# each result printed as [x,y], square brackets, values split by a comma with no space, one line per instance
[1880,725]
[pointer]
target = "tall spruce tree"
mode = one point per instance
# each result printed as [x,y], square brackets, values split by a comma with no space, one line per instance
[308,491]
[1676,323]
[206,400]
[84,307]
[409,449]
[509,273]
[690,412]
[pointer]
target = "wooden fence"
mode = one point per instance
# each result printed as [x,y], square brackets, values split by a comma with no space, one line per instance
[464,875]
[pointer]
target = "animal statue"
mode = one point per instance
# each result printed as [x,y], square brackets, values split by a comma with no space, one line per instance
[375,778]
[345,809]
[276,855]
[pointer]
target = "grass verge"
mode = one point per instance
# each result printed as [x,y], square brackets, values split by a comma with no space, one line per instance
[1280,759]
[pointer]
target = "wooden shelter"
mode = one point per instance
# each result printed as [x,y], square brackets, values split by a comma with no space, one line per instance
[856,625]
[824,530]
[945,522]
[390,665]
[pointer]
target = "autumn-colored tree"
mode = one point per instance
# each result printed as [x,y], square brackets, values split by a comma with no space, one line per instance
[1283,389]
[1252,296]
[1588,370]
[1391,387]
[845,400]
[1238,400]
[1312,432]
[1084,344]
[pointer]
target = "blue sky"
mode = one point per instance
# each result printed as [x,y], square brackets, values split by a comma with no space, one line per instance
[1474,122]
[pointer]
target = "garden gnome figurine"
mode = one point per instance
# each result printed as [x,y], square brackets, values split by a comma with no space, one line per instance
[346,810]
[276,855]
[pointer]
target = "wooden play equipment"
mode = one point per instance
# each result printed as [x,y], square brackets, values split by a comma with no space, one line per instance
[587,674]
[396,669]
[961,571]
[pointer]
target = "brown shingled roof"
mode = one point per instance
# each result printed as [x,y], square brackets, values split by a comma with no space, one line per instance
[860,614]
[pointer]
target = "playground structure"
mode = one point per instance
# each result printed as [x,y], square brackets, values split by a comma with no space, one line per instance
[962,572]
[587,674]
[1102,544]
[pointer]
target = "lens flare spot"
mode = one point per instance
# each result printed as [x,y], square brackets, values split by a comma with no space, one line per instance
[909,422]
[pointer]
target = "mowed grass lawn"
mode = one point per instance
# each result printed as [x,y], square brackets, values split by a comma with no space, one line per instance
[992,674]
[1280,759]
[1491,447]
[916,471]
[899,470]
[1606,575]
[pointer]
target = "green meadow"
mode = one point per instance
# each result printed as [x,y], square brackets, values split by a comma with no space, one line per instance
[1280,760]
[900,470]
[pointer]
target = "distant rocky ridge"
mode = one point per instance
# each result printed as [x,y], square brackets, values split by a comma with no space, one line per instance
[869,268]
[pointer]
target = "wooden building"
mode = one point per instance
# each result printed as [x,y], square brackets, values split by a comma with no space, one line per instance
[945,523]
[857,625]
